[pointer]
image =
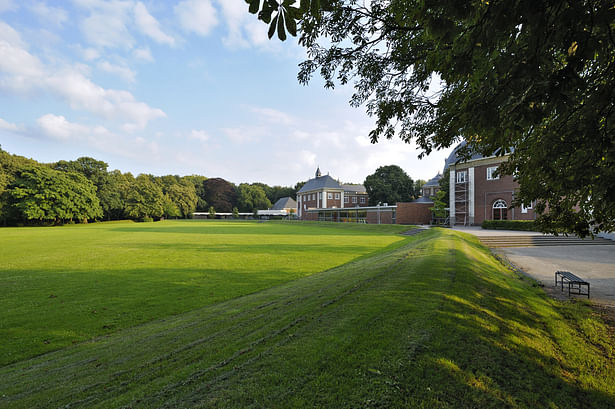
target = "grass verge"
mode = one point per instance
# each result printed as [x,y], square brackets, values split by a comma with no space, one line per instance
[437,323]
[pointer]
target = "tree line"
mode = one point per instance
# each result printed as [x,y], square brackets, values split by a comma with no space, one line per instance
[84,189]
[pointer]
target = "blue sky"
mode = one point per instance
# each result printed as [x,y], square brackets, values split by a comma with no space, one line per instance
[183,87]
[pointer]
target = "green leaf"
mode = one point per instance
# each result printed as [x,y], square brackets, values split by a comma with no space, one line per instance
[253,6]
[291,24]
[281,30]
[272,26]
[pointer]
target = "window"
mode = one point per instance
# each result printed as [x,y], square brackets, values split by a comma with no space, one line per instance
[363,200]
[313,196]
[525,208]
[354,199]
[461,177]
[500,210]
[337,196]
[329,195]
[491,173]
[346,198]
[320,195]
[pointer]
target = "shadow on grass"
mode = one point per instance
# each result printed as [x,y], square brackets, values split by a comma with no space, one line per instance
[501,343]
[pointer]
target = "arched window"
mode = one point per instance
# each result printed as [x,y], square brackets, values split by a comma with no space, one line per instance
[499,210]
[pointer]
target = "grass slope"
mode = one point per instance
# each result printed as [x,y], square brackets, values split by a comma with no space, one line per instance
[62,285]
[438,323]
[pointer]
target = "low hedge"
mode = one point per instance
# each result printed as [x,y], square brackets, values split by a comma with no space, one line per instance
[524,225]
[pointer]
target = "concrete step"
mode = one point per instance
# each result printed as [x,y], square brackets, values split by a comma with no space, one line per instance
[536,241]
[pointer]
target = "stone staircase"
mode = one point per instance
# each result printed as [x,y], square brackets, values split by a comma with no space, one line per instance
[537,241]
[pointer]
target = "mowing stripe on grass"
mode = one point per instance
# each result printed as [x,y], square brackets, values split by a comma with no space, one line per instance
[437,323]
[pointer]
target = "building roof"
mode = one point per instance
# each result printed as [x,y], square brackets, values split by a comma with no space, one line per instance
[320,183]
[453,158]
[434,181]
[351,187]
[423,199]
[284,203]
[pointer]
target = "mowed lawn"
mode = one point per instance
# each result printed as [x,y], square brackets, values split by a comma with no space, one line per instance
[62,285]
[434,323]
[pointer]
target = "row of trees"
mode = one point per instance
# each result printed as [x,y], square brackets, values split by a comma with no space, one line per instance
[84,189]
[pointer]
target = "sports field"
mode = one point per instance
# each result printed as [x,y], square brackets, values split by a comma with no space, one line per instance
[427,321]
[62,285]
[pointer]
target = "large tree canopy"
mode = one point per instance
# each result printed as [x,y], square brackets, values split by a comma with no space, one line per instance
[389,184]
[531,77]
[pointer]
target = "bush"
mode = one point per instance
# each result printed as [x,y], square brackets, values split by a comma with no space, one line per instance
[147,219]
[523,225]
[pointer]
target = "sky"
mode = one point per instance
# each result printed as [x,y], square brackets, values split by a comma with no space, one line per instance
[178,87]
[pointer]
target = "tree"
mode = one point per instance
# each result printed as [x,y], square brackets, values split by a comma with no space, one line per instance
[184,196]
[252,197]
[235,213]
[531,77]
[389,184]
[199,188]
[220,194]
[144,199]
[42,195]
[212,212]
[418,185]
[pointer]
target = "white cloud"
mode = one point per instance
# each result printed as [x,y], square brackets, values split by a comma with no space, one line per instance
[49,14]
[197,16]
[23,73]
[273,116]
[150,26]
[7,126]
[10,36]
[89,54]
[235,15]
[119,70]
[56,126]
[106,26]
[242,135]
[199,135]
[143,54]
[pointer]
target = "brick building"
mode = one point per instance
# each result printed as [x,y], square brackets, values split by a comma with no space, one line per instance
[432,186]
[324,192]
[478,193]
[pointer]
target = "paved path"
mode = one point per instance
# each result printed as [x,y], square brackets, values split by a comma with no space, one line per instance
[595,263]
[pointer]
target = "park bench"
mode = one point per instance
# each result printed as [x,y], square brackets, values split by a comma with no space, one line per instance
[574,283]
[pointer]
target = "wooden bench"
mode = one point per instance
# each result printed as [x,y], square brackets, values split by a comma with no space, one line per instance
[574,283]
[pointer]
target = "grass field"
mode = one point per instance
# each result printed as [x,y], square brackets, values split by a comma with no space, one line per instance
[434,321]
[62,285]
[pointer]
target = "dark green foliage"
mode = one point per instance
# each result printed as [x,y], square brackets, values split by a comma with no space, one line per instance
[523,225]
[389,184]
[252,198]
[276,192]
[220,194]
[418,185]
[533,76]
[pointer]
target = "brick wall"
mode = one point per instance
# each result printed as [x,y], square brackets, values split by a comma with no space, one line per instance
[386,216]
[486,192]
[413,213]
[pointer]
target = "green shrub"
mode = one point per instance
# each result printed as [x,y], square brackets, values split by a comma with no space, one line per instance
[147,219]
[524,225]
